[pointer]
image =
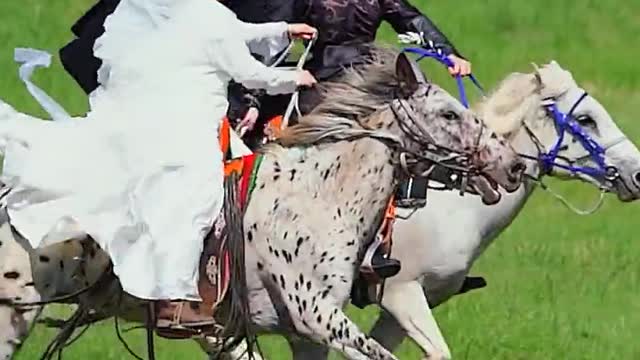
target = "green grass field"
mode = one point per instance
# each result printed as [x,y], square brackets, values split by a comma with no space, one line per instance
[560,286]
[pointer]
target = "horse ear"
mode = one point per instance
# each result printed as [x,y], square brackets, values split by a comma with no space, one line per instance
[409,75]
[537,76]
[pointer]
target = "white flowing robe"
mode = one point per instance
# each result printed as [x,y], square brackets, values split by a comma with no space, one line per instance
[142,172]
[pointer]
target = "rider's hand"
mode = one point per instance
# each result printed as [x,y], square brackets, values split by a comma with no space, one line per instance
[301,31]
[305,79]
[460,66]
[249,121]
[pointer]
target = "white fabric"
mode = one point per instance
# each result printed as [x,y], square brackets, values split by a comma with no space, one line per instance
[32,59]
[142,172]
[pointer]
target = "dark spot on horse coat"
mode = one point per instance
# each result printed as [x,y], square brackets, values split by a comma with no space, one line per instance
[287,257]
[12,275]
[44,259]
[293,174]
[61,264]
[260,266]
[282,283]
[250,236]
[325,294]
[276,177]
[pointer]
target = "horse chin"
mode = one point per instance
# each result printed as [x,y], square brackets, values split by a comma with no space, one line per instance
[625,192]
[487,189]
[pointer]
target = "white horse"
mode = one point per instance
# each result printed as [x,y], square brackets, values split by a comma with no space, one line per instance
[439,244]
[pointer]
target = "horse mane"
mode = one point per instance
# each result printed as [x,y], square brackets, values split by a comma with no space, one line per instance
[517,98]
[350,103]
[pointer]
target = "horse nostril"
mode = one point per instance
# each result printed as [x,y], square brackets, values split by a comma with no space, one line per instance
[517,170]
[636,178]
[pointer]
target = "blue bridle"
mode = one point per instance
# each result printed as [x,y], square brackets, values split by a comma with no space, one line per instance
[564,123]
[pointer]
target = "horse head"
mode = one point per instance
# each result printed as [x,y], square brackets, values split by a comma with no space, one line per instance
[428,129]
[565,131]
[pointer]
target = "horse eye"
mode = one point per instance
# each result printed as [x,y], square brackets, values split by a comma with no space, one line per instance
[586,121]
[450,115]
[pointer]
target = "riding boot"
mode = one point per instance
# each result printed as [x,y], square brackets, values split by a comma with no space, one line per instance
[182,319]
[384,266]
[472,283]
[412,192]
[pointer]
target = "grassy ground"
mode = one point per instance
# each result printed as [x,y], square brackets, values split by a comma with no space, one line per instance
[561,286]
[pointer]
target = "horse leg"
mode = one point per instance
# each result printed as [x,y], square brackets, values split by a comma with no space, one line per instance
[304,349]
[387,331]
[15,328]
[211,346]
[408,305]
[315,314]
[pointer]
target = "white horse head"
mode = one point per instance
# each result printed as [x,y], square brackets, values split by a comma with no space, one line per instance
[593,149]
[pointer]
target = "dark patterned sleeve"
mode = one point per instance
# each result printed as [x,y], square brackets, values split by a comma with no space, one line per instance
[241,99]
[404,17]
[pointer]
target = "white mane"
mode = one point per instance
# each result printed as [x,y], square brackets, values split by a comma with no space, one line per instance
[515,100]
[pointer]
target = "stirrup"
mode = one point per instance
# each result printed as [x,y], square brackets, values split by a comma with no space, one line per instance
[181,320]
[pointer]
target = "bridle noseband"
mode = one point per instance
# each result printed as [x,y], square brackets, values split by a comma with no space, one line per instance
[444,165]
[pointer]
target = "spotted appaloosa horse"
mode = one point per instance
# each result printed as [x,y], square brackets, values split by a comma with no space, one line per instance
[321,193]
[15,282]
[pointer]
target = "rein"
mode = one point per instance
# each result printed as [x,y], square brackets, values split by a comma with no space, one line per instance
[438,55]
[462,169]
[294,102]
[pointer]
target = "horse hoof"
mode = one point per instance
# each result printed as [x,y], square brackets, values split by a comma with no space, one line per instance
[472,283]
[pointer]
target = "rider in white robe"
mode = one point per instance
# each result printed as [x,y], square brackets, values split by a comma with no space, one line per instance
[142,172]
